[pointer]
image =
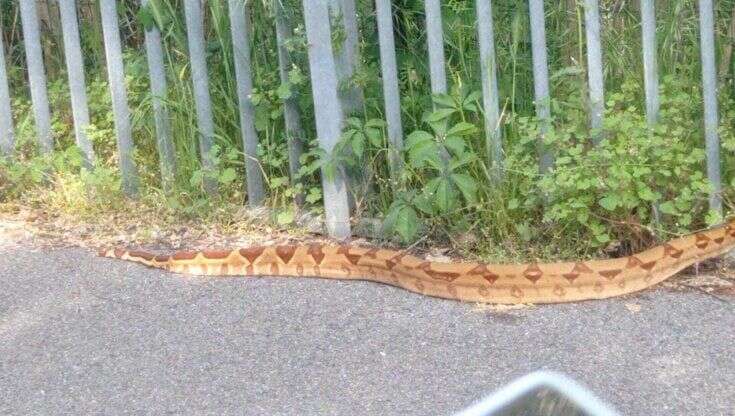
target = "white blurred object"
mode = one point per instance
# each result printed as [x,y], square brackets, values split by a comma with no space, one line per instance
[521,396]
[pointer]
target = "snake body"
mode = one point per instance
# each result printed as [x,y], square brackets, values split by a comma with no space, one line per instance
[464,281]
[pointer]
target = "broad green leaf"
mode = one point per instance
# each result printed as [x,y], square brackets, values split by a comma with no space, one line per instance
[646,194]
[712,218]
[423,203]
[358,144]
[667,208]
[315,194]
[389,224]
[146,17]
[295,76]
[278,181]
[444,99]
[375,135]
[422,153]
[524,231]
[407,224]
[196,178]
[284,91]
[462,129]
[467,185]
[456,144]
[439,115]
[610,202]
[227,176]
[602,238]
[375,123]
[473,97]
[262,115]
[462,160]
[285,217]
[354,122]
[444,197]
[416,137]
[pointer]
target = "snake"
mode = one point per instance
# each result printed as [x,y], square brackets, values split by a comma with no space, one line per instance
[529,283]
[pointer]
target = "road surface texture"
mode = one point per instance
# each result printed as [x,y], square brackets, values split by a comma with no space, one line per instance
[83,335]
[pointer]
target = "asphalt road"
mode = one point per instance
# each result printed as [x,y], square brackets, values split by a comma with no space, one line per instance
[83,335]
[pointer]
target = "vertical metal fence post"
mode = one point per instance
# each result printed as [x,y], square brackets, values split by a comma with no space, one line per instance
[202,99]
[75,72]
[157,74]
[541,80]
[328,112]
[435,40]
[437,70]
[116,79]
[650,66]
[391,93]
[650,73]
[7,139]
[240,24]
[709,93]
[291,113]
[594,68]
[347,56]
[36,74]
[491,101]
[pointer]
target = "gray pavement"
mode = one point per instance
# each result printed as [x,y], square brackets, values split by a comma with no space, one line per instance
[84,335]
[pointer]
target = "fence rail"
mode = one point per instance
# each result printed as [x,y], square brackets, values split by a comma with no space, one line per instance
[330,66]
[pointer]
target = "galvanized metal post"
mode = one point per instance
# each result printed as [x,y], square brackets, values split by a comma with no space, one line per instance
[291,113]
[202,99]
[116,79]
[490,98]
[328,111]
[240,26]
[347,56]
[594,68]
[75,72]
[157,74]
[344,16]
[391,93]
[435,40]
[709,93]
[650,66]
[437,70]
[7,138]
[650,73]
[36,74]
[541,80]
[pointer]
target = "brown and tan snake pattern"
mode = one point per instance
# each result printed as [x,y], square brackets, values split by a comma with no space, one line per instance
[473,282]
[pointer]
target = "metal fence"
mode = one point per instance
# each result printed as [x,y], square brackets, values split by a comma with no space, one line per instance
[328,68]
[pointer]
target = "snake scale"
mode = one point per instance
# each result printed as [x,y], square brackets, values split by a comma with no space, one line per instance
[464,281]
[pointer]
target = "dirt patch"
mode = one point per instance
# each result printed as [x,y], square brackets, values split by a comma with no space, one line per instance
[147,230]
[14,233]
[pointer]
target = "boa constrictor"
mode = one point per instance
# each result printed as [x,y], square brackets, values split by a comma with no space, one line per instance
[473,282]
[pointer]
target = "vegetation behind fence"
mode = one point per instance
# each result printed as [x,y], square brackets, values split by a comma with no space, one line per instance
[640,184]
